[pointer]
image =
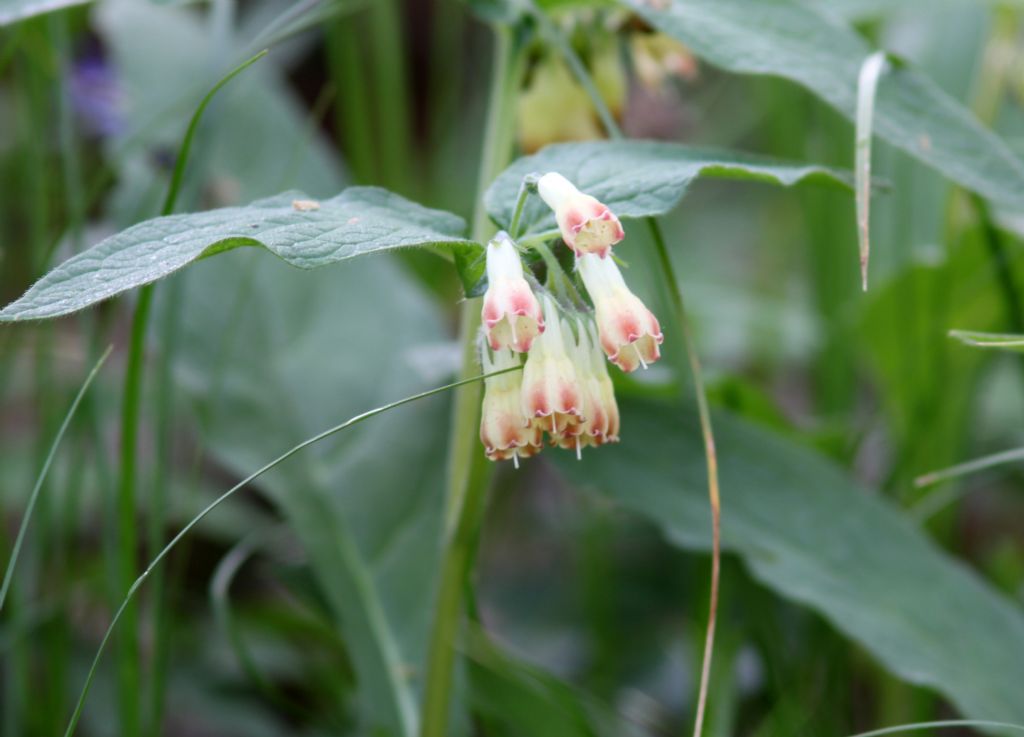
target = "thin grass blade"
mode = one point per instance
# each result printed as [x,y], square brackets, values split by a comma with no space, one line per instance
[23,528]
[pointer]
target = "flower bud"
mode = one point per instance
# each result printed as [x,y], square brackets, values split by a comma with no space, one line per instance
[587,225]
[554,108]
[504,430]
[511,313]
[629,332]
[551,395]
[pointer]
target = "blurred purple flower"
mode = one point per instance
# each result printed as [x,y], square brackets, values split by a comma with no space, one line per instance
[97,96]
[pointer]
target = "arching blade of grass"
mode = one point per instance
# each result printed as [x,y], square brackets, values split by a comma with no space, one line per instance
[962,469]
[129,596]
[1006,341]
[23,528]
[867,84]
[947,724]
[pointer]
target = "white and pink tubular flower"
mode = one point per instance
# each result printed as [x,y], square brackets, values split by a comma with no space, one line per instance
[629,332]
[552,396]
[587,225]
[504,430]
[601,423]
[511,313]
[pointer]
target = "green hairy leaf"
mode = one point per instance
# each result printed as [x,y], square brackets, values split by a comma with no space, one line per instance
[811,534]
[359,221]
[639,178]
[788,39]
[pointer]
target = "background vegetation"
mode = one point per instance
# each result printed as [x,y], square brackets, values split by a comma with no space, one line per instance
[852,597]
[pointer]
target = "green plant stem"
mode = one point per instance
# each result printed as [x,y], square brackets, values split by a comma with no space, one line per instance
[543,237]
[1001,260]
[128,647]
[128,650]
[566,289]
[391,95]
[165,551]
[528,185]
[468,469]
[345,63]
[686,333]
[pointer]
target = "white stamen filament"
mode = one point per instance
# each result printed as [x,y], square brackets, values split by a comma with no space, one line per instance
[515,458]
[579,453]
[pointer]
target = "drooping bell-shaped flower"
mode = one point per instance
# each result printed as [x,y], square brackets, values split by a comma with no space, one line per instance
[629,332]
[587,225]
[511,313]
[601,424]
[552,397]
[504,430]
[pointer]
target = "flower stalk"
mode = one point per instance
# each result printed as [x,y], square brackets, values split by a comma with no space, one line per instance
[468,469]
[682,323]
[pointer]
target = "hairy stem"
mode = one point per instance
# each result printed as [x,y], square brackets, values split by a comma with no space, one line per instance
[468,469]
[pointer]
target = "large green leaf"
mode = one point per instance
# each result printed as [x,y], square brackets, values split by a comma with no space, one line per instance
[870,9]
[12,11]
[789,39]
[804,529]
[638,178]
[272,355]
[529,702]
[358,221]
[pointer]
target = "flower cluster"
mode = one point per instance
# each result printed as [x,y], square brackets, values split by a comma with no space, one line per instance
[564,389]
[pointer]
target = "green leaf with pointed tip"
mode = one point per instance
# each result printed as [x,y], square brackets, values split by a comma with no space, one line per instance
[638,178]
[1005,341]
[807,531]
[359,221]
[789,39]
[13,11]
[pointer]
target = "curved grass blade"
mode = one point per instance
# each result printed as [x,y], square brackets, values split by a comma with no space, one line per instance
[867,84]
[946,724]
[20,539]
[193,124]
[76,715]
[962,469]
[1006,341]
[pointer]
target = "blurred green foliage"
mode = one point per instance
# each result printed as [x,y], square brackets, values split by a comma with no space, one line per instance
[851,599]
